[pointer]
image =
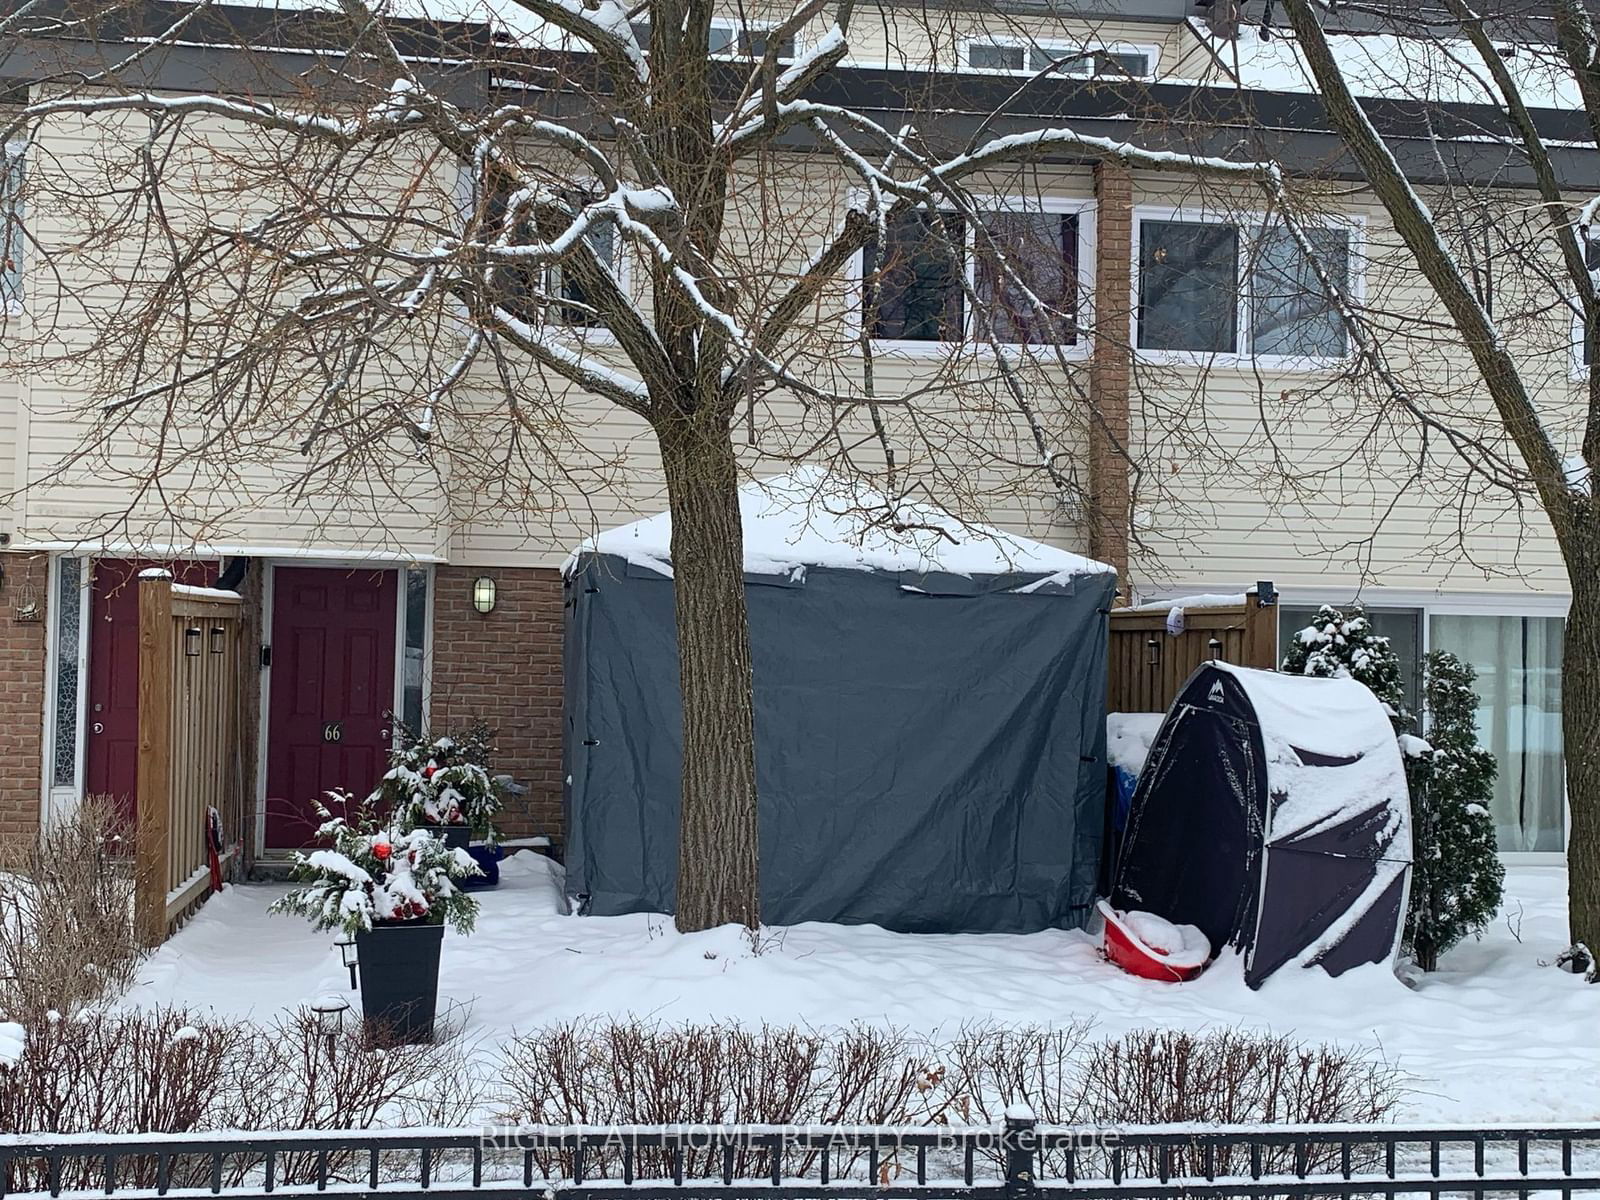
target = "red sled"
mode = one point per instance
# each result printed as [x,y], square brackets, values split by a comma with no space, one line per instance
[1180,953]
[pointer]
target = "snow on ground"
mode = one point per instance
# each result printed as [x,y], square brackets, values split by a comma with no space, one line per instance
[1492,1036]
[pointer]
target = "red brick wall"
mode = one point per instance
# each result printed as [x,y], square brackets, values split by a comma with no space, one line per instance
[505,668]
[22,655]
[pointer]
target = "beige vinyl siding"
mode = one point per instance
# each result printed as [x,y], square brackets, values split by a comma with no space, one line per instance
[10,404]
[1212,509]
[78,492]
[611,473]
[1217,509]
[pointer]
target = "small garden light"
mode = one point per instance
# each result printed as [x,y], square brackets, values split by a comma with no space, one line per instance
[483,594]
[191,641]
[347,955]
[1152,650]
[217,635]
[329,1012]
[1216,649]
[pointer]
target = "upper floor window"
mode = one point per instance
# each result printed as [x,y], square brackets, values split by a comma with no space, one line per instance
[1109,62]
[730,39]
[1021,266]
[1222,288]
[551,291]
[10,230]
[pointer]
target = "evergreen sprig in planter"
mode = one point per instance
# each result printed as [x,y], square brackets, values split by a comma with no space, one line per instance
[394,889]
[442,784]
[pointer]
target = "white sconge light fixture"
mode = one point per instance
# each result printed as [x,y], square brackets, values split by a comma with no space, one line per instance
[191,642]
[483,594]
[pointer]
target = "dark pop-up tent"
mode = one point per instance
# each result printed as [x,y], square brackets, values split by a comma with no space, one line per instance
[1272,813]
[929,716]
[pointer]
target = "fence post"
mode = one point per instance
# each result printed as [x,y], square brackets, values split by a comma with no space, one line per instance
[1021,1143]
[153,848]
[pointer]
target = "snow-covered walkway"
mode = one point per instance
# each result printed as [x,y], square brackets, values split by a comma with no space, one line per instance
[1492,1036]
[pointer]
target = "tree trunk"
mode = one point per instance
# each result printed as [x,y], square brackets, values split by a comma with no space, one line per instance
[1580,726]
[718,840]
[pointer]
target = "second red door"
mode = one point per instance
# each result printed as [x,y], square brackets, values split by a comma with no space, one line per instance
[331,691]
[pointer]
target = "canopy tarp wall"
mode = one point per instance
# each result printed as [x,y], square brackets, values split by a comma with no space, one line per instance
[929,749]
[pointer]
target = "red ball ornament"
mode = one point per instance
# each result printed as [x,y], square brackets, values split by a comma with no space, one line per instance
[428,772]
[381,851]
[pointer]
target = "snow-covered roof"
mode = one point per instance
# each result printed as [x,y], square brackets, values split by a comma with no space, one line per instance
[812,518]
[1441,70]
[1305,723]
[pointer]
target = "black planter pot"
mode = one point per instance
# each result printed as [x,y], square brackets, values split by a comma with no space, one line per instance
[400,979]
[457,837]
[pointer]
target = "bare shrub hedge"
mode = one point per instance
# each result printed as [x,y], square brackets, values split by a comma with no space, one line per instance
[171,1071]
[66,914]
[610,1074]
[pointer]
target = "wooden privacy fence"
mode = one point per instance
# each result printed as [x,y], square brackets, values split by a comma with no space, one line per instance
[1147,664]
[190,681]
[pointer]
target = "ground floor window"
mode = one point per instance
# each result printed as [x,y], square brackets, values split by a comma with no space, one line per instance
[413,686]
[1402,626]
[1518,661]
[67,612]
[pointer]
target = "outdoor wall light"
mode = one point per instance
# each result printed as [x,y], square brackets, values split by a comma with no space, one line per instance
[191,641]
[1152,652]
[483,594]
[217,634]
[1216,650]
[347,955]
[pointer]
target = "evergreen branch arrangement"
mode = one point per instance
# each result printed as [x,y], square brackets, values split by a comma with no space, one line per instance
[378,872]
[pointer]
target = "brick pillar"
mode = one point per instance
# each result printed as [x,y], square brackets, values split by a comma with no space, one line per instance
[504,668]
[22,666]
[1110,370]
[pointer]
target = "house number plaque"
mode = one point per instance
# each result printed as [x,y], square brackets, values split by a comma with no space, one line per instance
[333,731]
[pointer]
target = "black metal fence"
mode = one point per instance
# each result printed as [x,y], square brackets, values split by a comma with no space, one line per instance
[1014,1161]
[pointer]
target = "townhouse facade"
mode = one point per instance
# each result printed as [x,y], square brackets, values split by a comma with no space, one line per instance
[1199,335]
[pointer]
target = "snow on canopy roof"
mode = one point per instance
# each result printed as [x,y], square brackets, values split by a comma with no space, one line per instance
[1385,65]
[811,518]
[1331,754]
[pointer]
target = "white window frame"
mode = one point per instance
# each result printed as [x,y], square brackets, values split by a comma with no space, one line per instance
[1353,224]
[1083,208]
[1057,49]
[622,265]
[60,802]
[744,28]
[15,305]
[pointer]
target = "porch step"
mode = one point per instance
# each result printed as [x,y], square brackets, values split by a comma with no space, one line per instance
[269,870]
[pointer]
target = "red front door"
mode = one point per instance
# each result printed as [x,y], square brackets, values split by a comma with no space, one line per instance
[331,691]
[111,750]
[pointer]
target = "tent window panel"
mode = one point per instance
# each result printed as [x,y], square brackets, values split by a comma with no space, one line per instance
[1518,661]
